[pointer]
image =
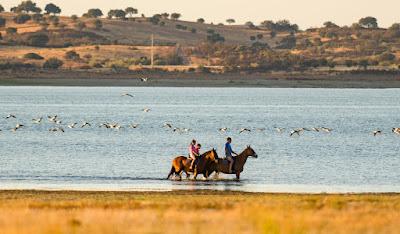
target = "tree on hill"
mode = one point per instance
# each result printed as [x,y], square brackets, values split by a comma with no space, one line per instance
[94,13]
[2,22]
[131,11]
[117,13]
[230,21]
[330,24]
[52,9]
[1,8]
[200,20]
[272,34]
[165,15]
[175,16]
[368,22]
[27,7]
[281,25]
[74,18]
[250,25]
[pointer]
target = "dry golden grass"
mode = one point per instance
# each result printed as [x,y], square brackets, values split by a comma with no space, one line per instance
[195,212]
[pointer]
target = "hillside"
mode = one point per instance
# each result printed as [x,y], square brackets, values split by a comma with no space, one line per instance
[30,40]
[138,31]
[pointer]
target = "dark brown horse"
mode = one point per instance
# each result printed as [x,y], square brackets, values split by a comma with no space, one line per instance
[238,165]
[205,161]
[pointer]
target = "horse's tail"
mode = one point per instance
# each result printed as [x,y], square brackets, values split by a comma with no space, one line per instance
[171,172]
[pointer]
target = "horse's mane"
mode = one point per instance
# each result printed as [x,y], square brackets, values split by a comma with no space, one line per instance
[205,153]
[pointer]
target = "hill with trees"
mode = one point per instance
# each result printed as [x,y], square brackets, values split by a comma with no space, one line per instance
[120,39]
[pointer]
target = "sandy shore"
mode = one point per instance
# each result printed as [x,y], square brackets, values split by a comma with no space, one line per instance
[196,212]
[273,80]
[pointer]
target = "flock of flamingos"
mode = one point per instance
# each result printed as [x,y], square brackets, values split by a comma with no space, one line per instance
[57,125]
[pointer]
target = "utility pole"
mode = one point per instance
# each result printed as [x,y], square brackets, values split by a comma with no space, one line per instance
[152,50]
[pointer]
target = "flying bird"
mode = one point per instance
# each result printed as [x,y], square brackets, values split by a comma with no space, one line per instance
[72,125]
[37,121]
[244,130]
[377,132]
[86,124]
[134,125]
[52,118]
[18,126]
[127,94]
[146,110]
[296,131]
[167,125]
[396,130]
[144,79]
[11,116]
[223,129]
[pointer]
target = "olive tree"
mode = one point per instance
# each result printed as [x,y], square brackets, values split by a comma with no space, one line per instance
[175,16]
[131,11]
[230,21]
[52,9]
[94,13]
[368,22]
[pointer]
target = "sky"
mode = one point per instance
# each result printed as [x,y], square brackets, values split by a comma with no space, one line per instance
[306,13]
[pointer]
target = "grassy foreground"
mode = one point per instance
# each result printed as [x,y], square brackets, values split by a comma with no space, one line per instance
[196,212]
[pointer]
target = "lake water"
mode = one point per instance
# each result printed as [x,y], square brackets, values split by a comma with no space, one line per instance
[349,159]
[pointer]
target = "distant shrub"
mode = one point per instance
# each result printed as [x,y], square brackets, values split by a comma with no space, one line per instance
[38,39]
[33,56]
[11,30]
[22,18]
[74,18]
[72,55]
[210,31]
[96,47]
[193,30]
[200,20]
[52,63]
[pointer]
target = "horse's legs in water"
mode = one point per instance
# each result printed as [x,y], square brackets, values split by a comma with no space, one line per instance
[195,174]
[187,175]
[180,174]
[237,175]
[172,172]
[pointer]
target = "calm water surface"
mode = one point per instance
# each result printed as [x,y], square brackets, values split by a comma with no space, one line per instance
[349,159]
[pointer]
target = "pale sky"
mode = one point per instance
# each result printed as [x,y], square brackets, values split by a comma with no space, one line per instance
[306,13]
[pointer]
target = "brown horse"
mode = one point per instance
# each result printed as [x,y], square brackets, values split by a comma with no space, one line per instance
[238,165]
[205,161]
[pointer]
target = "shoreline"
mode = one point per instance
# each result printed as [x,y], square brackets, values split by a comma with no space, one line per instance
[196,212]
[160,79]
[190,192]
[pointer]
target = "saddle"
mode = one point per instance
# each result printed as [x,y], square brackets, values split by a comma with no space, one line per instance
[226,162]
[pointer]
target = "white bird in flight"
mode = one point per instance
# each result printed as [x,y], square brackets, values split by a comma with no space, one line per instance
[127,95]
[11,116]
